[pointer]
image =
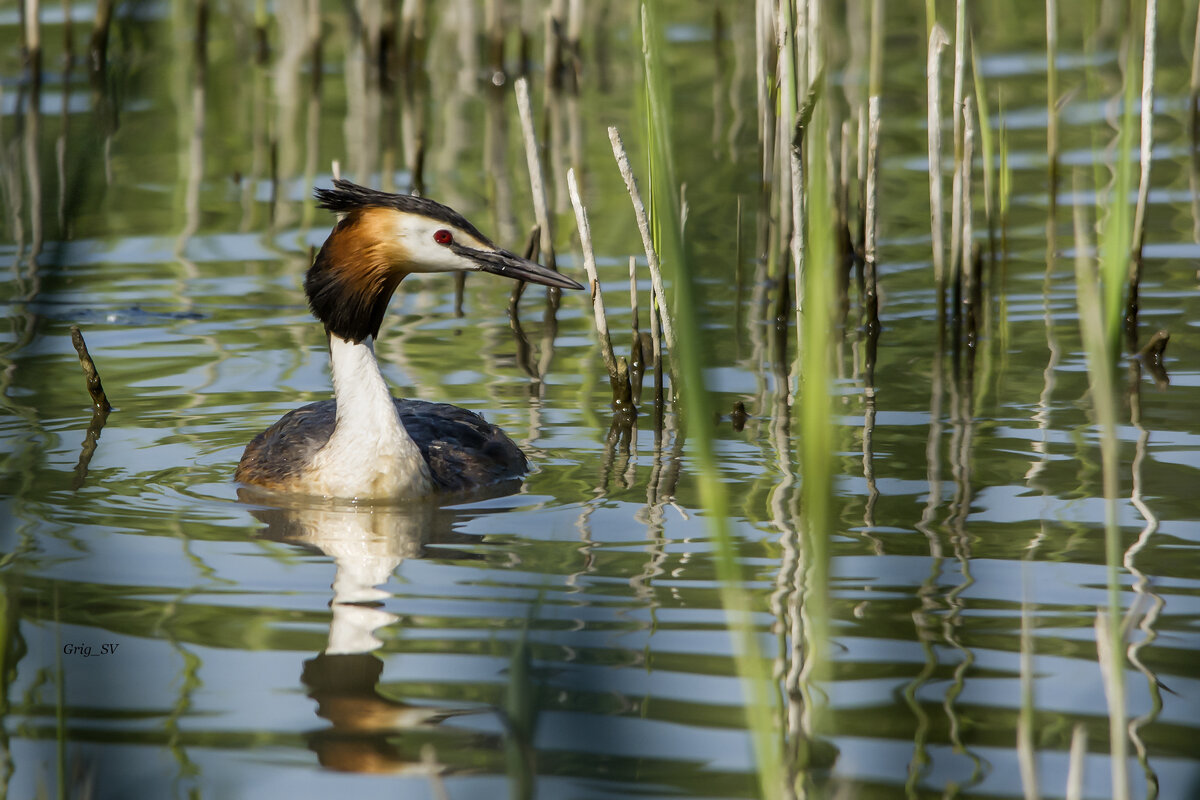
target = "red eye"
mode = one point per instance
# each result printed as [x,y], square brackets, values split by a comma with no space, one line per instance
[443,236]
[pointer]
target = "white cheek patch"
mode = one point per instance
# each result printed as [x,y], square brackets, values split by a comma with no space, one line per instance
[427,255]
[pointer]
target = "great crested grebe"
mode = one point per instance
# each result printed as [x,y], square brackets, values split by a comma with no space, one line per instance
[364,443]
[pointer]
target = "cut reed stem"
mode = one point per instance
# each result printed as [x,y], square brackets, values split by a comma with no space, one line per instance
[589,266]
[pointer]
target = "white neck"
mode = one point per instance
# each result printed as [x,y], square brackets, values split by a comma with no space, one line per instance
[370,454]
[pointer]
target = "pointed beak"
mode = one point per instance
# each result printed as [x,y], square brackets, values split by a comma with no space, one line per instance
[511,265]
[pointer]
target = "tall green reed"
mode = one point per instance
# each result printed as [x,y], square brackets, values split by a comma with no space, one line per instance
[816,445]
[697,406]
[1100,298]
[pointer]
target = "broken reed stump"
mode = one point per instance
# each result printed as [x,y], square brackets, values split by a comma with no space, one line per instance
[91,375]
[1151,357]
[100,406]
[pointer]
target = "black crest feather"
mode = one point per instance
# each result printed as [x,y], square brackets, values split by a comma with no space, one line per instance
[346,197]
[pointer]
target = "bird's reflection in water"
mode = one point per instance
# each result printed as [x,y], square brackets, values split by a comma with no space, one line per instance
[367,543]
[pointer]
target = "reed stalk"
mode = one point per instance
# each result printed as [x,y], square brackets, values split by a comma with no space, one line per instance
[1101,311]
[1149,57]
[1194,84]
[537,181]
[762,37]
[589,266]
[987,150]
[938,40]
[875,64]
[817,445]
[33,34]
[969,277]
[1006,186]
[554,17]
[1075,763]
[792,202]
[262,45]
[643,223]
[640,348]
[960,43]
[98,45]
[1026,749]
[812,17]
[494,31]
[656,338]
[633,297]
[871,298]
[1052,95]
[799,199]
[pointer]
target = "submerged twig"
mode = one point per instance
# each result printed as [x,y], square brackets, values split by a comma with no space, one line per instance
[91,375]
[1151,357]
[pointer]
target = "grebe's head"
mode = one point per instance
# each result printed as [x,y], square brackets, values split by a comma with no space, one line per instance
[380,238]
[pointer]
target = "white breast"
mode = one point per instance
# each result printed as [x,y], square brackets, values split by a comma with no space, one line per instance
[370,454]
